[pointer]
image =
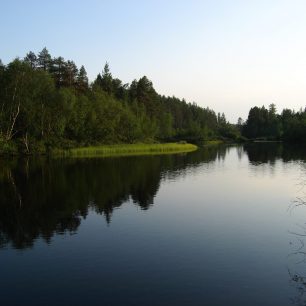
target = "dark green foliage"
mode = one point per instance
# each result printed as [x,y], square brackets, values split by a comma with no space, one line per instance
[49,103]
[31,59]
[70,74]
[82,80]
[105,81]
[267,124]
[57,70]
[44,60]
[294,125]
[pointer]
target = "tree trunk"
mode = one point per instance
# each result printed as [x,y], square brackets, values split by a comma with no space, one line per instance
[26,142]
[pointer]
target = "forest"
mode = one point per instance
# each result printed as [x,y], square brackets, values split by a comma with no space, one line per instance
[266,124]
[48,102]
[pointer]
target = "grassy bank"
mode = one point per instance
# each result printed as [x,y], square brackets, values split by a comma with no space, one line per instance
[125,149]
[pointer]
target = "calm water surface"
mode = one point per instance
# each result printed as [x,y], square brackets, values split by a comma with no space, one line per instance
[220,226]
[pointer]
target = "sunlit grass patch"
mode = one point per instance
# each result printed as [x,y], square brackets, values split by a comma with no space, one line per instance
[126,149]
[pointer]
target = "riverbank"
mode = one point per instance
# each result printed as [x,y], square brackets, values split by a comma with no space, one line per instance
[125,150]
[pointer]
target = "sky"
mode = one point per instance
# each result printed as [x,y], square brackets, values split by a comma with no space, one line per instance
[228,55]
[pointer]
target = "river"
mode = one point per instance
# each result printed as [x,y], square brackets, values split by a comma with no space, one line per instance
[225,225]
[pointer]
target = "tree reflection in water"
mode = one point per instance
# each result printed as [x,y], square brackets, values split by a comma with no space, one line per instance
[43,197]
[268,154]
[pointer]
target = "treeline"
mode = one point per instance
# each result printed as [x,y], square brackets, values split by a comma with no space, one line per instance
[266,124]
[48,102]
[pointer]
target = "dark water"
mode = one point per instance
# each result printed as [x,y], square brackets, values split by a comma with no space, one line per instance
[221,226]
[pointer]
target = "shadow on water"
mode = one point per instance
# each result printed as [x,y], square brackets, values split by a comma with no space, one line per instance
[43,197]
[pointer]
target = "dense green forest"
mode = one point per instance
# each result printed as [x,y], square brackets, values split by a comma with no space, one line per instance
[265,123]
[47,102]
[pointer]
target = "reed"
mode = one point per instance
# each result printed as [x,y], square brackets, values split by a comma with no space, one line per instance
[125,149]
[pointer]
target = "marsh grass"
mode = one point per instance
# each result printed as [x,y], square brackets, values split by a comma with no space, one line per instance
[125,149]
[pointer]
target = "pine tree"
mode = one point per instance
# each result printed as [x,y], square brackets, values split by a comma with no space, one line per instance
[107,80]
[70,73]
[31,58]
[82,80]
[58,70]
[44,59]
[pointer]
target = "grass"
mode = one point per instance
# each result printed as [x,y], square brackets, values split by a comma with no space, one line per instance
[126,150]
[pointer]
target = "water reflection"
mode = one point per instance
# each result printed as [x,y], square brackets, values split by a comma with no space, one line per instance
[267,154]
[222,234]
[41,197]
[261,153]
[297,258]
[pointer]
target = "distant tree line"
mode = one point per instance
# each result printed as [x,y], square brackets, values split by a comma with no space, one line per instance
[266,124]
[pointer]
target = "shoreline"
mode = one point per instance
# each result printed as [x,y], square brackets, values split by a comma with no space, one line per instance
[124,150]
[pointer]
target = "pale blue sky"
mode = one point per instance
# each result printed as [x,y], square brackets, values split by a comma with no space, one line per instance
[227,55]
